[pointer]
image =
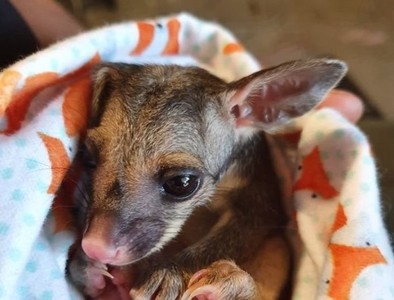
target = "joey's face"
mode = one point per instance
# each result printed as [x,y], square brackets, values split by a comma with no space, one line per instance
[154,153]
[160,136]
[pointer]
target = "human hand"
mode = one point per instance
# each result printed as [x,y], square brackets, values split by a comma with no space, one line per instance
[347,104]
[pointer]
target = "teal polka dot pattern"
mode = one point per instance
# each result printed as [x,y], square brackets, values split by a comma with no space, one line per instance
[359,137]
[339,133]
[339,155]
[24,292]
[17,195]
[95,42]
[321,116]
[196,48]
[56,274]
[7,173]
[4,228]
[368,160]
[211,38]
[55,112]
[187,33]
[14,254]
[54,64]
[76,52]
[324,155]
[243,69]
[29,220]
[31,163]
[64,248]
[392,290]
[365,187]
[363,282]
[40,246]
[319,135]
[42,187]
[20,142]
[347,202]
[47,295]
[32,266]
[379,270]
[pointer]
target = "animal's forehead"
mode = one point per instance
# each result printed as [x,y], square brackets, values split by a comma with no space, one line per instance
[158,74]
[158,85]
[173,126]
[163,111]
[172,105]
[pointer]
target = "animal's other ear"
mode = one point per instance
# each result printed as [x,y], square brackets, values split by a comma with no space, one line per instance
[103,76]
[268,99]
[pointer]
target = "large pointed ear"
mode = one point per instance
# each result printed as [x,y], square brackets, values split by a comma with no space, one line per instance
[267,100]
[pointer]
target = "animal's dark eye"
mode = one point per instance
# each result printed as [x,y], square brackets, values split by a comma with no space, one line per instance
[181,186]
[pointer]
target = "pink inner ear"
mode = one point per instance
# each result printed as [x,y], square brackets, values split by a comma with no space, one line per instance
[266,102]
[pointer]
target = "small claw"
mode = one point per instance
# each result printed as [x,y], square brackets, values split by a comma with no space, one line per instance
[197,276]
[206,292]
[100,265]
[102,269]
[186,296]
[106,273]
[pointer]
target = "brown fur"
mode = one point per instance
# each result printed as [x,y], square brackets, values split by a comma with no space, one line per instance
[150,119]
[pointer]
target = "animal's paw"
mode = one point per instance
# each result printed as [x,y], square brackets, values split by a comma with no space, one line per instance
[89,276]
[222,280]
[162,283]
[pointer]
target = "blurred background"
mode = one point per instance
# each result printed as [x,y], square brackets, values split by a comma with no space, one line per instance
[358,31]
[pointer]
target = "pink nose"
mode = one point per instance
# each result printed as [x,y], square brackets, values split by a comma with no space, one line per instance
[97,242]
[98,249]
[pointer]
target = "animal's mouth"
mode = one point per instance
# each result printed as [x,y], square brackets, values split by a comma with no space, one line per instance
[114,273]
[104,269]
[118,282]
